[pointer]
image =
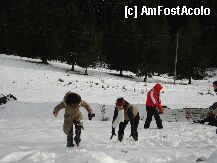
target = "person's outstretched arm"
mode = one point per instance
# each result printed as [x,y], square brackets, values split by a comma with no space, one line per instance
[113,128]
[115,115]
[86,106]
[58,108]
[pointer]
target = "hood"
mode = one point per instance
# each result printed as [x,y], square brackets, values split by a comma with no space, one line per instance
[157,88]
[71,98]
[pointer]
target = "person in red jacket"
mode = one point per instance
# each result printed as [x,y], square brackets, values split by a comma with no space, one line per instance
[153,106]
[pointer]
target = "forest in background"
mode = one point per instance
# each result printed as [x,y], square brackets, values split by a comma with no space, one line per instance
[94,32]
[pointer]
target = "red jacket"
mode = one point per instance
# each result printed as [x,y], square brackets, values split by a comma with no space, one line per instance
[153,99]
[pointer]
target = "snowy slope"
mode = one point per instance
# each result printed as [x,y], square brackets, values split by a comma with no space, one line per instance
[30,81]
[29,132]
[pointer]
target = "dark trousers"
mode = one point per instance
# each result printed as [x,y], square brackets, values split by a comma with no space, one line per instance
[77,134]
[134,127]
[212,121]
[150,113]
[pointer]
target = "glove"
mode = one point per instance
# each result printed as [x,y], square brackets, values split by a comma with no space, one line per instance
[160,108]
[55,113]
[113,132]
[91,115]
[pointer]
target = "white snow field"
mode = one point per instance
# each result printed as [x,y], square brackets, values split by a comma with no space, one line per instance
[29,132]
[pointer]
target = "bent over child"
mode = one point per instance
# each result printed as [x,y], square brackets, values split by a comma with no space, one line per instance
[131,114]
[72,102]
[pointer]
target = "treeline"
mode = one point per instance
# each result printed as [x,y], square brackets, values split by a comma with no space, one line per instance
[90,32]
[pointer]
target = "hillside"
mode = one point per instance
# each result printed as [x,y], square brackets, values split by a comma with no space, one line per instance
[30,133]
[31,81]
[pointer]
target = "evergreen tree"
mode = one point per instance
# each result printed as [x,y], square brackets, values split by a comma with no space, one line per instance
[85,32]
[21,27]
[123,43]
[3,27]
[190,62]
[88,41]
[209,33]
[43,30]
[153,48]
[8,25]
[72,32]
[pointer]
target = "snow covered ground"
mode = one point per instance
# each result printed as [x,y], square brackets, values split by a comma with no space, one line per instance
[30,81]
[29,132]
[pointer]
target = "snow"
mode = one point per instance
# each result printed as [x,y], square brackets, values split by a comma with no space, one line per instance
[30,133]
[33,82]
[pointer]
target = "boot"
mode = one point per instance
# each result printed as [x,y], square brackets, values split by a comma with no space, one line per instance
[70,141]
[70,145]
[120,137]
[146,126]
[77,134]
[159,125]
[70,138]
[135,136]
[77,140]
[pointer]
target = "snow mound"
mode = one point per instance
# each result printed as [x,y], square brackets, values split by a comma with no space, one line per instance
[84,156]
[213,157]
[15,156]
[39,157]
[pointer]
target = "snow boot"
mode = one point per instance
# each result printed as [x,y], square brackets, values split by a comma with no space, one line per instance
[135,137]
[70,145]
[146,126]
[77,134]
[70,138]
[120,137]
[70,141]
[77,140]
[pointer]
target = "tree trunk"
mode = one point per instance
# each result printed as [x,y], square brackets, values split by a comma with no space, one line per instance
[73,67]
[85,71]
[176,57]
[44,60]
[146,77]
[121,72]
[189,80]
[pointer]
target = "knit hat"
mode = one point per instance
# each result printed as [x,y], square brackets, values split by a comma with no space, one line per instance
[120,102]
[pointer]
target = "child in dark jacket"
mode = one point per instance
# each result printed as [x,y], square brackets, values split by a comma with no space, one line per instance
[130,114]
